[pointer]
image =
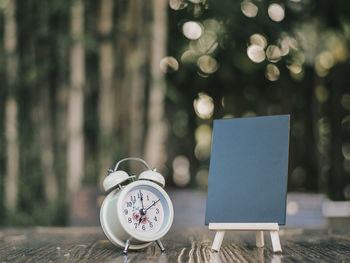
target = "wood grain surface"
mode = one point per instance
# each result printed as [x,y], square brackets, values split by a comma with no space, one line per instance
[88,244]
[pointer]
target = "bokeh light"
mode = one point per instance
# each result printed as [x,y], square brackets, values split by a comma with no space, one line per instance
[345,101]
[321,93]
[276,12]
[284,46]
[295,68]
[169,65]
[212,25]
[325,60]
[192,30]
[292,208]
[177,4]
[320,71]
[202,152]
[181,168]
[206,44]
[189,56]
[258,39]
[256,53]
[346,150]
[207,64]
[203,136]
[249,9]
[272,72]
[339,51]
[293,43]
[202,178]
[273,53]
[203,106]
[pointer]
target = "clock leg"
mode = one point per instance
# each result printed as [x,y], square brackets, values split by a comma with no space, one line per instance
[127,244]
[160,245]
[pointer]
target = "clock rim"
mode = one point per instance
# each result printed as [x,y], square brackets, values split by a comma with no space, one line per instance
[107,228]
[135,234]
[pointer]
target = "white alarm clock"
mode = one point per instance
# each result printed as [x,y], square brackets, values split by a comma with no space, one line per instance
[135,213]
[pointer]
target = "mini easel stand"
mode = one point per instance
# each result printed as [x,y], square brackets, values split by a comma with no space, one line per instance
[273,228]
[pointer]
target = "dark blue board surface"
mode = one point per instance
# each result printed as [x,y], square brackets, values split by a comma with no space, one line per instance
[248,170]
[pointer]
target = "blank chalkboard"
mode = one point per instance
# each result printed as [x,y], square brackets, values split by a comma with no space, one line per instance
[248,170]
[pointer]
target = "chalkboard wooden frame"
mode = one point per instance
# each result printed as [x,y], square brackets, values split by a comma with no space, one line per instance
[266,147]
[259,229]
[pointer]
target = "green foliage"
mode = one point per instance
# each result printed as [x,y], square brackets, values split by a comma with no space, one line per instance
[309,81]
[312,42]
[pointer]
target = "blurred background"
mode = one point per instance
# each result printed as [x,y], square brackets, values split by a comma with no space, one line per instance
[85,83]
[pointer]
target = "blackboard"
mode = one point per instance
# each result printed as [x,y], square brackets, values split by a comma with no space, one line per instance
[248,170]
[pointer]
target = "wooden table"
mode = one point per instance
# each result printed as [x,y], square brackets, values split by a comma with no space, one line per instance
[88,244]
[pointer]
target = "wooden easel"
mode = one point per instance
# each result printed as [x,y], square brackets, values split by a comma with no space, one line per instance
[273,228]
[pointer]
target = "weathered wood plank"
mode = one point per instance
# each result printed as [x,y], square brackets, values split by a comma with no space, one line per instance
[182,245]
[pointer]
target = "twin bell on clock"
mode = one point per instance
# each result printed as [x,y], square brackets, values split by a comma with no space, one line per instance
[135,213]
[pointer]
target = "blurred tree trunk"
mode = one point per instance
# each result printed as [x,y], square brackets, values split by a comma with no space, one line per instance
[75,148]
[132,53]
[106,93]
[155,152]
[136,75]
[338,179]
[12,160]
[43,110]
[11,108]
[61,91]
[46,145]
[309,144]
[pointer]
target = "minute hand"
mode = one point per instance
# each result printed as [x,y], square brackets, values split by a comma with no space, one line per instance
[152,205]
[141,198]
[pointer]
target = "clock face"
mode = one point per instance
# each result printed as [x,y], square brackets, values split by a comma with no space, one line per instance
[143,209]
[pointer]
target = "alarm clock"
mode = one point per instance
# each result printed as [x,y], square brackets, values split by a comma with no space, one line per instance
[135,213]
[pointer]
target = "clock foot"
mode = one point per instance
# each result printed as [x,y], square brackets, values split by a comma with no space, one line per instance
[160,245]
[127,244]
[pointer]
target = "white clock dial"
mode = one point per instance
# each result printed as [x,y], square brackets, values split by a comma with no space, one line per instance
[143,210]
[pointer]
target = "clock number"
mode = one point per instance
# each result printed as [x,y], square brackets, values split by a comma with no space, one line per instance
[157,211]
[126,211]
[129,220]
[128,204]
[150,225]
[135,224]
[133,198]
[147,198]
[155,218]
[143,227]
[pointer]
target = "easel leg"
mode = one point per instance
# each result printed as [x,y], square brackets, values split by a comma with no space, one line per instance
[219,236]
[259,236]
[275,239]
